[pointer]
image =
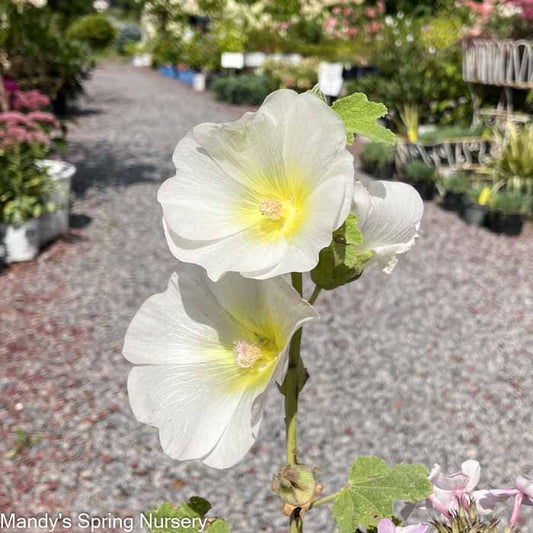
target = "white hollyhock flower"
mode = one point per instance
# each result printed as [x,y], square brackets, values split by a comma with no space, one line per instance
[388,216]
[260,196]
[206,353]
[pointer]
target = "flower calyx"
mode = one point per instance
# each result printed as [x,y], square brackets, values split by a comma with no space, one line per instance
[297,486]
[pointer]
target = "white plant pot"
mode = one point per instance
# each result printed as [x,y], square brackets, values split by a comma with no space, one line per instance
[53,224]
[199,82]
[19,243]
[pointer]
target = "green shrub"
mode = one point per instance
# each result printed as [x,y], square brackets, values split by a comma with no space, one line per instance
[249,90]
[301,77]
[93,29]
[167,50]
[510,202]
[42,56]
[129,33]
[458,183]
[377,155]
[418,171]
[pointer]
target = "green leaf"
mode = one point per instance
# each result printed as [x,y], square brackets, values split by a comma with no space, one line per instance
[373,487]
[341,262]
[360,116]
[187,518]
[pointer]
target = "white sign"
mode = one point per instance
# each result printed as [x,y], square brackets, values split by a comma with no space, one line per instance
[254,59]
[232,60]
[330,78]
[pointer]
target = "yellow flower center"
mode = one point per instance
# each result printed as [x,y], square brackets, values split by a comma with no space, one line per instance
[276,207]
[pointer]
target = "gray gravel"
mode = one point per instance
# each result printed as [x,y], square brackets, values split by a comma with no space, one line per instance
[430,364]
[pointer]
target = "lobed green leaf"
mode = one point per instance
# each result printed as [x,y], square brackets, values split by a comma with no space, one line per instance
[361,116]
[373,487]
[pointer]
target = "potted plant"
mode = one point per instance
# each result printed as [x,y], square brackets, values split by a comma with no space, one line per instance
[54,222]
[507,211]
[377,159]
[24,187]
[422,177]
[455,187]
[30,186]
[475,209]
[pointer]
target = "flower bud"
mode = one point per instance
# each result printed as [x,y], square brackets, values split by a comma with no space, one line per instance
[296,485]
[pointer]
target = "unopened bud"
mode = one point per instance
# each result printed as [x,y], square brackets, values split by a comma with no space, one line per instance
[296,485]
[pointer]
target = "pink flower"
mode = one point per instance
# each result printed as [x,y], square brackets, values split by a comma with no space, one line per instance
[30,100]
[43,116]
[330,24]
[348,11]
[387,526]
[370,12]
[373,27]
[336,10]
[284,26]
[487,500]
[380,4]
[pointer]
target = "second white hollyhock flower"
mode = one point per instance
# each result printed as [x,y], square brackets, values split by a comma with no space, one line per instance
[260,196]
[388,216]
[206,353]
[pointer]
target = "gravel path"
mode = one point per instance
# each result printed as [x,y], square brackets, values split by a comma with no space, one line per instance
[430,364]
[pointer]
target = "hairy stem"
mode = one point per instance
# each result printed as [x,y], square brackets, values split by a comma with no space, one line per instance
[292,385]
[326,499]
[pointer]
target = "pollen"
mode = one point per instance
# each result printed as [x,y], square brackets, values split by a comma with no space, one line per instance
[271,208]
[247,354]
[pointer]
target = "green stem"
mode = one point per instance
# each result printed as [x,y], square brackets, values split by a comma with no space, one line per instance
[315,294]
[326,499]
[292,385]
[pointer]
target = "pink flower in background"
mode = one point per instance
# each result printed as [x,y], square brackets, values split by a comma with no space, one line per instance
[30,100]
[373,27]
[380,4]
[370,12]
[526,6]
[15,117]
[336,10]
[347,11]
[352,32]
[330,24]
[44,117]
[284,26]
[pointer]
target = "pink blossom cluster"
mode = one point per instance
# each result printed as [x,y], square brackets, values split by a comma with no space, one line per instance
[19,128]
[348,20]
[449,490]
[30,100]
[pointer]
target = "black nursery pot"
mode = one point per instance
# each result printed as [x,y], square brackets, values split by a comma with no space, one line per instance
[426,189]
[452,201]
[506,224]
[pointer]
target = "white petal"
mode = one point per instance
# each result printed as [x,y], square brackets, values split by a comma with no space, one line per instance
[525,485]
[186,403]
[178,325]
[239,435]
[472,469]
[237,253]
[487,500]
[201,201]
[389,215]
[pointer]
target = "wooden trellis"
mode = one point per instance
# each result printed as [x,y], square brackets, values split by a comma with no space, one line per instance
[503,63]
